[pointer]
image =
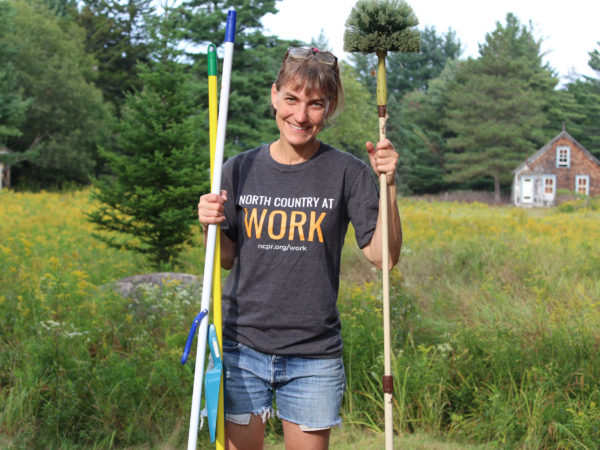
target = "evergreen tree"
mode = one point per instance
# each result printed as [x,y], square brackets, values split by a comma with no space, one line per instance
[565,108]
[256,61]
[63,8]
[411,74]
[409,71]
[497,105]
[423,161]
[116,35]
[585,127]
[159,163]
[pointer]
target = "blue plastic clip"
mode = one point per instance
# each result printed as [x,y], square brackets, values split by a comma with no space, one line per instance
[190,339]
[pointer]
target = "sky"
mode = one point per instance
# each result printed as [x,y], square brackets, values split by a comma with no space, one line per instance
[569,30]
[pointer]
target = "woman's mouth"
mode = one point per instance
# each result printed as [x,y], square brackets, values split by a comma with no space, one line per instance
[297,128]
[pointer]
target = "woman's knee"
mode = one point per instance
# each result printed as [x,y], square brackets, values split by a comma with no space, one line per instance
[245,437]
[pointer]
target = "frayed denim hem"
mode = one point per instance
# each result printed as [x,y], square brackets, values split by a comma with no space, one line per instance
[307,428]
[244,419]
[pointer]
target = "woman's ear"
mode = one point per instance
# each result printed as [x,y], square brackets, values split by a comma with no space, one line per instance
[274,99]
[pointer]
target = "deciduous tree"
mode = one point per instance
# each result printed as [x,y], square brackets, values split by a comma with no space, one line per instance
[12,102]
[65,120]
[357,122]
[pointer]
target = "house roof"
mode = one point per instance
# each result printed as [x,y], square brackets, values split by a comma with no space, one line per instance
[549,145]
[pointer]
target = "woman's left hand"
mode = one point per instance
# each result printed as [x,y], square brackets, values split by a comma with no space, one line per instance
[384,159]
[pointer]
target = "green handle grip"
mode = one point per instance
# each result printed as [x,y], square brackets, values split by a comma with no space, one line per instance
[212,60]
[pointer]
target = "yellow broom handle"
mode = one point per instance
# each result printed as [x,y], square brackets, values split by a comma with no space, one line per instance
[213,112]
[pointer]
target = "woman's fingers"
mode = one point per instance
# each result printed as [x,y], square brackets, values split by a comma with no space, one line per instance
[384,159]
[211,208]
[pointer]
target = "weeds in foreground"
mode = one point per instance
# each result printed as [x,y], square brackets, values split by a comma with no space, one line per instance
[495,329]
[496,312]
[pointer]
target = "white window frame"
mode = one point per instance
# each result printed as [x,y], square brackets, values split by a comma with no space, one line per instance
[560,163]
[587,183]
[549,177]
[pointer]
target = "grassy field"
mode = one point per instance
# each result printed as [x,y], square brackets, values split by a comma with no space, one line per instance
[496,321]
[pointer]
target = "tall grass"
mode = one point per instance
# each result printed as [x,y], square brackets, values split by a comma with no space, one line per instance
[495,328]
[497,320]
[81,366]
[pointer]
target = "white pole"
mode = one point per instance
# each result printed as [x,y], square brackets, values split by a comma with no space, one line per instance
[212,229]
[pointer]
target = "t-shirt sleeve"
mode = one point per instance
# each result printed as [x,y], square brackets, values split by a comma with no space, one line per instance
[363,206]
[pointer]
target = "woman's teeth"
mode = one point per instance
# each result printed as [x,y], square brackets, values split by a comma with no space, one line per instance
[298,128]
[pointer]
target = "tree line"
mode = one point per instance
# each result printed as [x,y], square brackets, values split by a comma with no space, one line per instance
[114,92]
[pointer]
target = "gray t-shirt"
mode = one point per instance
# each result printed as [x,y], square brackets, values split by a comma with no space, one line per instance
[289,223]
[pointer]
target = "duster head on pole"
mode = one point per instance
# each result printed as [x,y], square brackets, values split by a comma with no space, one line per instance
[381,26]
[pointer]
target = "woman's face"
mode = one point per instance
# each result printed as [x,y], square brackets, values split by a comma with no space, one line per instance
[300,117]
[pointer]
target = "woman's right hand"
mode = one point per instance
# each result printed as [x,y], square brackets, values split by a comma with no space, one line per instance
[211,208]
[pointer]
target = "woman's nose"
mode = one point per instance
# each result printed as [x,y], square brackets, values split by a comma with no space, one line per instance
[301,114]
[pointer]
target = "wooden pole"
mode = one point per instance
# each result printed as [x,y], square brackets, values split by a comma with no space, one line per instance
[382,26]
[387,381]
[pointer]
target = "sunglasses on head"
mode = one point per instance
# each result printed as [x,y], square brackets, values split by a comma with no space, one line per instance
[301,53]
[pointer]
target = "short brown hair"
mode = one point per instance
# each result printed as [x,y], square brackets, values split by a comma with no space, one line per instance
[314,76]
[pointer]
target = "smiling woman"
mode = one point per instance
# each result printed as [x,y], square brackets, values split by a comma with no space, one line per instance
[308,91]
[284,213]
[300,118]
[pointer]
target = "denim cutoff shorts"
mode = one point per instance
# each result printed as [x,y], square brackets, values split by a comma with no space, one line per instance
[308,391]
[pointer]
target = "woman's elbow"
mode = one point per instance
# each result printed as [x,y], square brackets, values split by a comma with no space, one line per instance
[227,252]
[376,258]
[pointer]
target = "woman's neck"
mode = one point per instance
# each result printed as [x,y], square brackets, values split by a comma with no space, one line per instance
[284,153]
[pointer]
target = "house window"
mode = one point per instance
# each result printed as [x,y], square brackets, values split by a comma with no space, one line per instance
[549,185]
[563,157]
[582,184]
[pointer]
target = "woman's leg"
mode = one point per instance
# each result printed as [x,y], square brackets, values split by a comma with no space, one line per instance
[248,396]
[296,439]
[309,400]
[245,437]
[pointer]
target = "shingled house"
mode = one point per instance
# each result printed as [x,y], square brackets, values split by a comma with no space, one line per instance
[562,163]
